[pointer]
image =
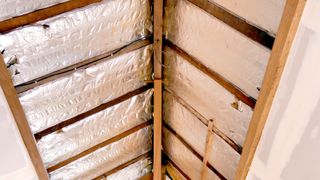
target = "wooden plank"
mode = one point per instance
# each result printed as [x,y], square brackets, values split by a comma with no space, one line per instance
[207,151]
[102,107]
[42,14]
[219,133]
[147,177]
[157,130]
[233,89]
[140,43]
[100,145]
[124,165]
[21,121]
[157,37]
[287,30]
[235,22]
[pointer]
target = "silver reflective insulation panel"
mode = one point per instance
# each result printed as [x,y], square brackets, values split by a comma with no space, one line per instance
[107,158]
[74,36]
[194,132]
[66,97]
[207,97]
[13,8]
[68,142]
[223,49]
[183,157]
[134,171]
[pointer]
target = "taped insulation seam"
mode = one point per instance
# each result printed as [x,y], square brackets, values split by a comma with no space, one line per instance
[85,89]
[207,97]
[13,8]
[219,47]
[222,156]
[61,145]
[108,157]
[72,37]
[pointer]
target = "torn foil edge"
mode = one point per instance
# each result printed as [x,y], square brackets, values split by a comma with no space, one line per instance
[207,97]
[13,8]
[107,158]
[134,171]
[72,37]
[66,97]
[183,157]
[218,46]
[222,156]
[68,142]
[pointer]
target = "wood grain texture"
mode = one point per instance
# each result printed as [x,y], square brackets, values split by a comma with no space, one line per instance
[95,110]
[157,129]
[279,55]
[100,145]
[21,121]
[42,14]
[208,148]
[84,64]
[235,22]
[233,89]
[124,165]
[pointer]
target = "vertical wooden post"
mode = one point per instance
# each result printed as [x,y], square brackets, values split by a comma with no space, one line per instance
[157,62]
[207,150]
[287,30]
[21,121]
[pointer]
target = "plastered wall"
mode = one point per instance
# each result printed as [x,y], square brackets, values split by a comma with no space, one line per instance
[290,144]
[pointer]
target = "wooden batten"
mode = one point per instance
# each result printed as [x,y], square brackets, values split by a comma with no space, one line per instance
[207,151]
[279,55]
[21,121]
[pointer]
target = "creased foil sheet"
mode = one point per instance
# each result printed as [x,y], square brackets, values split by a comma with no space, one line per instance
[59,100]
[107,158]
[134,171]
[74,36]
[183,157]
[194,132]
[12,8]
[207,97]
[95,129]
[266,14]
[223,49]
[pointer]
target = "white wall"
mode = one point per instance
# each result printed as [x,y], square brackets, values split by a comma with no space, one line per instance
[15,163]
[290,144]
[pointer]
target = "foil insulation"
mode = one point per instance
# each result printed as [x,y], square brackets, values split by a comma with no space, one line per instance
[266,14]
[218,46]
[66,97]
[183,157]
[107,158]
[72,37]
[194,132]
[68,142]
[134,171]
[207,97]
[13,8]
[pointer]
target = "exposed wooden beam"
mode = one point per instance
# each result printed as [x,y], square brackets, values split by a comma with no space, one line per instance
[21,121]
[42,14]
[84,64]
[207,151]
[235,22]
[202,119]
[157,68]
[279,55]
[102,107]
[124,165]
[100,145]
[193,151]
[233,89]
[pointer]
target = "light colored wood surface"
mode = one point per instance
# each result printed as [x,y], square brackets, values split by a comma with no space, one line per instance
[21,121]
[207,151]
[287,30]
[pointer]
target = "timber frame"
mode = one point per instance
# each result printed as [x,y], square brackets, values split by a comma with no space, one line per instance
[280,49]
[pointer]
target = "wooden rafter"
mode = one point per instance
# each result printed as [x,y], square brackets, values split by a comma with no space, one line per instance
[207,151]
[21,121]
[279,55]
